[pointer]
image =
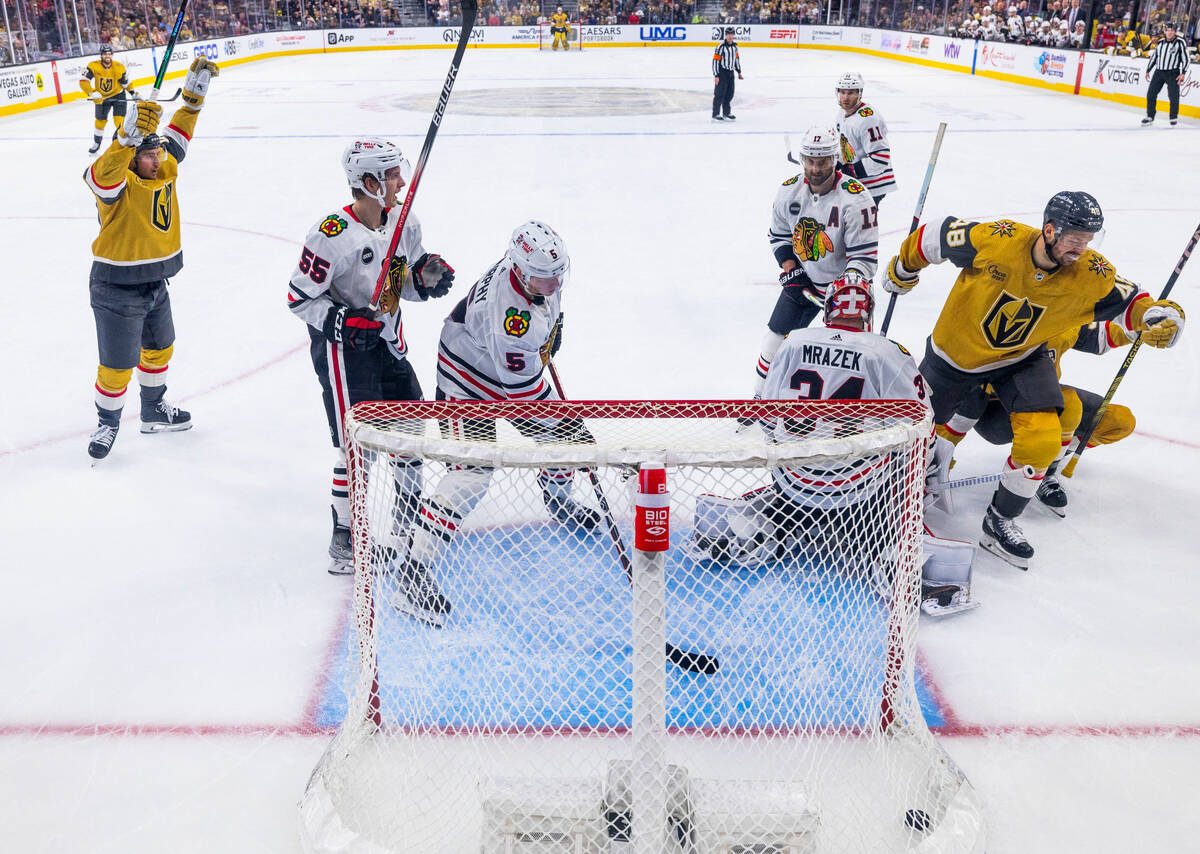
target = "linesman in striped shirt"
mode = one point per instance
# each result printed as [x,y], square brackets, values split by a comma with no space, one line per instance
[725,63]
[1168,64]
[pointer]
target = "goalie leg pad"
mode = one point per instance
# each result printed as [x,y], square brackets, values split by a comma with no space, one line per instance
[946,576]
[741,530]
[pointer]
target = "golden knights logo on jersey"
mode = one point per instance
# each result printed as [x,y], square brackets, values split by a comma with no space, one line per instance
[1003,228]
[809,240]
[160,213]
[1100,266]
[1010,320]
[105,85]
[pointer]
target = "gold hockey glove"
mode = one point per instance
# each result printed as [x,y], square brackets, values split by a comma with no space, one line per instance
[140,121]
[1164,321]
[195,86]
[899,281]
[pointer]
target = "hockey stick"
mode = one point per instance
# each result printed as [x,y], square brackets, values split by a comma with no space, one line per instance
[174,97]
[1069,468]
[972,481]
[937,146]
[693,662]
[470,8]
[170,48]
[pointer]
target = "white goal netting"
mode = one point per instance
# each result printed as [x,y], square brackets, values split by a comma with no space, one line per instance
[518,678]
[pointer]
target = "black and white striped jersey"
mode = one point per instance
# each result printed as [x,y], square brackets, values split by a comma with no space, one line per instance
[1169,56]
[864,143]
[491,342]
[726,57]
[826,234]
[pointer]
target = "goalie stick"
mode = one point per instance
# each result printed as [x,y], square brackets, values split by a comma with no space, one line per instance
[470,8]
[1069,468]
[693,662]
[937,147]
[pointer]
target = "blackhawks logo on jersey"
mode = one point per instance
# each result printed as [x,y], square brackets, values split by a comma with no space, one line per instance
[332,226]
[865,111]
[1003,228]
[847,150]
[809,240]
[852,186]
[1010,321]
[1099,266]
[791,180]
[389,300]
[516,323]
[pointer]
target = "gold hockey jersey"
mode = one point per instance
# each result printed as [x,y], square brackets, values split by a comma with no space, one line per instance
[559,20]
[139,218]
[1002,306]
[107,81]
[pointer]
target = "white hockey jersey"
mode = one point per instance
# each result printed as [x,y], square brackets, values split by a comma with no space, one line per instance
[826,363]
[490,347]
[826,234]
[865,144]
[340,265]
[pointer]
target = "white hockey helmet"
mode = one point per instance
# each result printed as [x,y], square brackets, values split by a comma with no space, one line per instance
[850,300]
[850,80]
[538,252]
[374,156]
[820,141]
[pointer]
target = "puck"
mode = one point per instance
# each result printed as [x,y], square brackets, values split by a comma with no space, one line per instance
[917,820]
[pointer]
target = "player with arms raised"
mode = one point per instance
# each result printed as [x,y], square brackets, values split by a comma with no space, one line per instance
[823,227]
[865,151]
[1018,288]
[494,346]
[358,353]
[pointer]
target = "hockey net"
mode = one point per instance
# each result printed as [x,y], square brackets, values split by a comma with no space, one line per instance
[567,707]
[574,36]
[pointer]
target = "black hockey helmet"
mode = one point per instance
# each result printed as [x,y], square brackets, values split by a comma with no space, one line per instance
[730,31]
[106,50]
[1074,210]
[150,142]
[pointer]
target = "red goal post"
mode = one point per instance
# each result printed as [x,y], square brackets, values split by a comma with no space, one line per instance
[541,715]
[574,35]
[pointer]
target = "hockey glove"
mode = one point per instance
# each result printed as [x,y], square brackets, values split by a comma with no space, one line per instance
[797,278]
[1164,321]
[573,431]
[548,350]
[899,281]
[195,86]
[432,276]
[139,122]
[355,328]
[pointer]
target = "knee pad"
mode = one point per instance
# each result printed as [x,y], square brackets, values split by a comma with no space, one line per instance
[113,380]
[1117,423]
[1036,438]
[1072,412]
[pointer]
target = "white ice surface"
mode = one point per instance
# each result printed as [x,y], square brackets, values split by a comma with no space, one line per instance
[173,604]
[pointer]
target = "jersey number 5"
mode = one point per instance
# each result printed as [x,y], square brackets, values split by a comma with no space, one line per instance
[316,266]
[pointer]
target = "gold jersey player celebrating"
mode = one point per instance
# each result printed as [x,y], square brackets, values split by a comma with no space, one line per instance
[558,29]
[1018,288]
[106,85]
[137,250]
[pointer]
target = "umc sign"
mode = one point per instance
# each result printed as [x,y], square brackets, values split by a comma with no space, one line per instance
[662,34]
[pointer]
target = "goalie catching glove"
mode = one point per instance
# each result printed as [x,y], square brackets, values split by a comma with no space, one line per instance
[356,328]
[899,280]
[432,276]
[195,86]
[139,124]
[1164,321]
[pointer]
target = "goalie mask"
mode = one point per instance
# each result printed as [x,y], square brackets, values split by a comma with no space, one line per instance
[540,257]
[374,156]
[849,303]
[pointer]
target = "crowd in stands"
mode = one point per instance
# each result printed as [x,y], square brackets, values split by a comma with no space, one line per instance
[41,29]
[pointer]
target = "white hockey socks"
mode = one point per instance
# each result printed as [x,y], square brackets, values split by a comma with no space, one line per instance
[771,343]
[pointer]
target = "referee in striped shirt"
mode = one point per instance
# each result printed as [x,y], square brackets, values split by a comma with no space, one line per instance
[726,63]
[1168,64]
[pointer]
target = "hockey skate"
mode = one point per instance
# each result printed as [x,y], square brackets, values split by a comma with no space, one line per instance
[101,441]
[341,552]
[162,417]
[571,513]
[95,147]
[417,594]
[1052,494]
[1003,538]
